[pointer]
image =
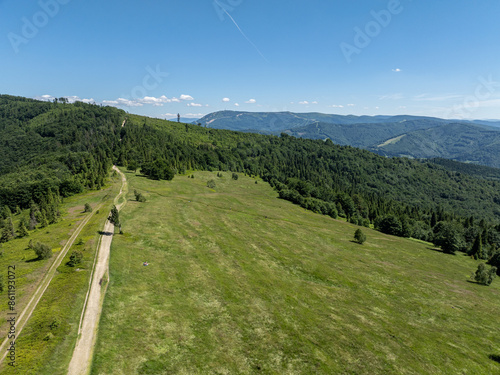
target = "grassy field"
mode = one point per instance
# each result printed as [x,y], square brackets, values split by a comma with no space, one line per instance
[46,343]
[241,282]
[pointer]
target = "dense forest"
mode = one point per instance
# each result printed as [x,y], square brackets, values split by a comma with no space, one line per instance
[53,150]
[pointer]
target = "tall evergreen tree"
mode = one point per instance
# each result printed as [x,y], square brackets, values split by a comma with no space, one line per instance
[114,218]
[477,248]
[22,231]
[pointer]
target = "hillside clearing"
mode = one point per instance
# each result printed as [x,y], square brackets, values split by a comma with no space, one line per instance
[240,282]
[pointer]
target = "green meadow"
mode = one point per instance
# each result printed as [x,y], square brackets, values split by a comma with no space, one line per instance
[46,343]
[241,282]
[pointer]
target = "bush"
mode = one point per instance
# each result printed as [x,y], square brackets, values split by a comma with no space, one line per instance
[42,251]
[483,276]
[211,184]
[234,176]
[75,258]
[87,208]
[359,236]
[139,197]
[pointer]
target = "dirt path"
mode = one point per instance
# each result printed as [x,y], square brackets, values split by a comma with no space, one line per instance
[82,355]
[24,316]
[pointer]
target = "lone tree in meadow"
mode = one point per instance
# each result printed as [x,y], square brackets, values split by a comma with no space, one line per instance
[87,208]
[359,236]
[114,218]
[234,176]
[484,276]
[42,251]
[139,197]
[211,184]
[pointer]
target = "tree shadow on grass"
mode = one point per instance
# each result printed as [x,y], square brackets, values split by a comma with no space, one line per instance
[438,250]
[494,357]
[102,233]
[33,260]
[477,283]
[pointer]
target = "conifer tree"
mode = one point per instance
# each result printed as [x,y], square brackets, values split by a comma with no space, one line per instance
[477,248]
[22,231]
[43,219]
[114,218]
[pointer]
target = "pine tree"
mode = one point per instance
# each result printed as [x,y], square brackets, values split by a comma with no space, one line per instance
[433,220]
[114,218]
[43,219]
[22,231]
[6,212]
[9,225]
[6,235]
[34,212]
[477,248]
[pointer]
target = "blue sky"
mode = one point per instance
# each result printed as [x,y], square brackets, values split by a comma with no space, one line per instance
[162,57]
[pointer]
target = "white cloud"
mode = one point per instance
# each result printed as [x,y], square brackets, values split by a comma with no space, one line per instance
[186,97]
[251,101]
[169,115]
[350,105]
[336,106]
[225,100]
[236,105]
[194,105]
[193,115]
[315,102]
[397,70]
[305,102]
[129,103]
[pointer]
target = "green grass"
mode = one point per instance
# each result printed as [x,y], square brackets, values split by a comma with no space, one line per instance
[46,343]
[241,282]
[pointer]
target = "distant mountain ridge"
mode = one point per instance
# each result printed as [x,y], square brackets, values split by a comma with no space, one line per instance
[475,141]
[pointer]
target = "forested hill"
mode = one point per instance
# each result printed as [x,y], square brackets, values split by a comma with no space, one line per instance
[53,146]
[58,149]
[417,137]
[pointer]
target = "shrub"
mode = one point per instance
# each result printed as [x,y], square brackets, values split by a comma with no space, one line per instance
[139,197]
[42,251]
[75,258]
[234,176]
[211,184]
[359,236]
[87,208]
[483,276]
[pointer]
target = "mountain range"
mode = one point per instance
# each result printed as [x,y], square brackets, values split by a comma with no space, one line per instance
[475,141]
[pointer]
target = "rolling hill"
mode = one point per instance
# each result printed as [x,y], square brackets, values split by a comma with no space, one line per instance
[462,142]
[407,136]
[270,283]
[275,122]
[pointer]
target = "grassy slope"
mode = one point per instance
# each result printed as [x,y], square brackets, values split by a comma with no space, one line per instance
[240,282]
[63,299]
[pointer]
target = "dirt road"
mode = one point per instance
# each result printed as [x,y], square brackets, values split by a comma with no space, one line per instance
[82,355]
[37,295]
